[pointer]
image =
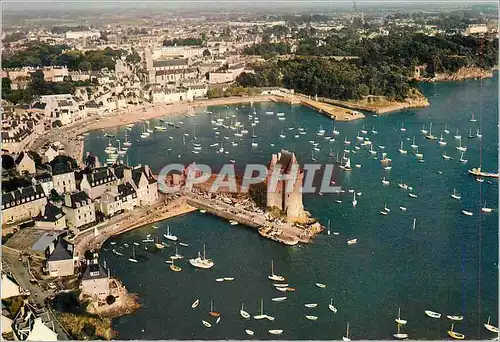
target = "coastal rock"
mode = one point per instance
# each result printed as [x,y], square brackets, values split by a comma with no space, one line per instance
[461,74]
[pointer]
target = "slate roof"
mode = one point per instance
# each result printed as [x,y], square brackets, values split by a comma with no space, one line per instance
[78,197]
[61,168]
[101,177]
[22,196]
[51,213]
[126,189]
[170,62]
[60,252]
[94,271]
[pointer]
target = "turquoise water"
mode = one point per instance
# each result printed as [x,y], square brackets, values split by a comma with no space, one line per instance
[447,264]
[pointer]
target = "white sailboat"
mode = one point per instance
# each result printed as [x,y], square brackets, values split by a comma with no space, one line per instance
[402,129]
[169,236]
[446,157]
[490,327]
[479,135]
[413,145]
[430,135]
[328,230]
[347,166]
[485,209]
[132,259]
[446,129]
[401,149]
[423,130]
[202,262]
[460,147]
[195,303]
[346,337]
[273,276]
[385,182]
[462,160]
[354,201]
[312,318]
[243,313]
[399,320]
[472,119]
[441,141]
[261,316]
[331,307]
[455,195]
[399,335]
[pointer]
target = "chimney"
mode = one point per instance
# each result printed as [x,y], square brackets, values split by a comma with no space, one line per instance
[127,174]
[67,200]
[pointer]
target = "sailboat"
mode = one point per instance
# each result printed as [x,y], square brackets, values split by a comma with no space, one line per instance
[479,135]
[423,130]
[472,119]
[261,316]
[174,267]
[328,230]
[273,276]
[346,337]
[455,335]
[430,136]
[455,195]
[371,150]
[441,141]
[446,157]
[158,244]
[385,182]
[485,209]
[363,130]
[490,327]
[212,312]
[169,236]
[413,145]
[331,307]
[347,166]
[133,259]
[460,147]
[399,320]
[457,135]
[354,201]
[176,255]
[127,143]
[312,156]
[401,149]
[462,160]
[402,129]
[202,262]
[399,335]
[446,129]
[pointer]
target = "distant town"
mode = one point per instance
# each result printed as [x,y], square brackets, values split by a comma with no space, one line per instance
[60,81]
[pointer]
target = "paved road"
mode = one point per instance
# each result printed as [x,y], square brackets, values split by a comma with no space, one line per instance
[21,275]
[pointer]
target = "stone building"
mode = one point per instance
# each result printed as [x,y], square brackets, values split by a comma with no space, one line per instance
[60,262]
[281,194]
[95,279]
[79,209]
[23,203]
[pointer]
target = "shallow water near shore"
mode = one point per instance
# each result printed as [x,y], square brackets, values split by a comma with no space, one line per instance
[447,264]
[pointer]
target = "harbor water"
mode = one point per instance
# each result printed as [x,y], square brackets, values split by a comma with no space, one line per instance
[447,264]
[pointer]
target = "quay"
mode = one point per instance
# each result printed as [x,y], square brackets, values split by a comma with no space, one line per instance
[283,232]
[333,112]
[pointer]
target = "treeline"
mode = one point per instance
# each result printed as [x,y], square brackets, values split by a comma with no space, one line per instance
[383,66]
[268,50]
[39,55]
[440,53]
[183,41]
[342,80]
[231,91]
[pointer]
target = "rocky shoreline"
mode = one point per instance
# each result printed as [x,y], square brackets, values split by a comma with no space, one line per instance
[465,73]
